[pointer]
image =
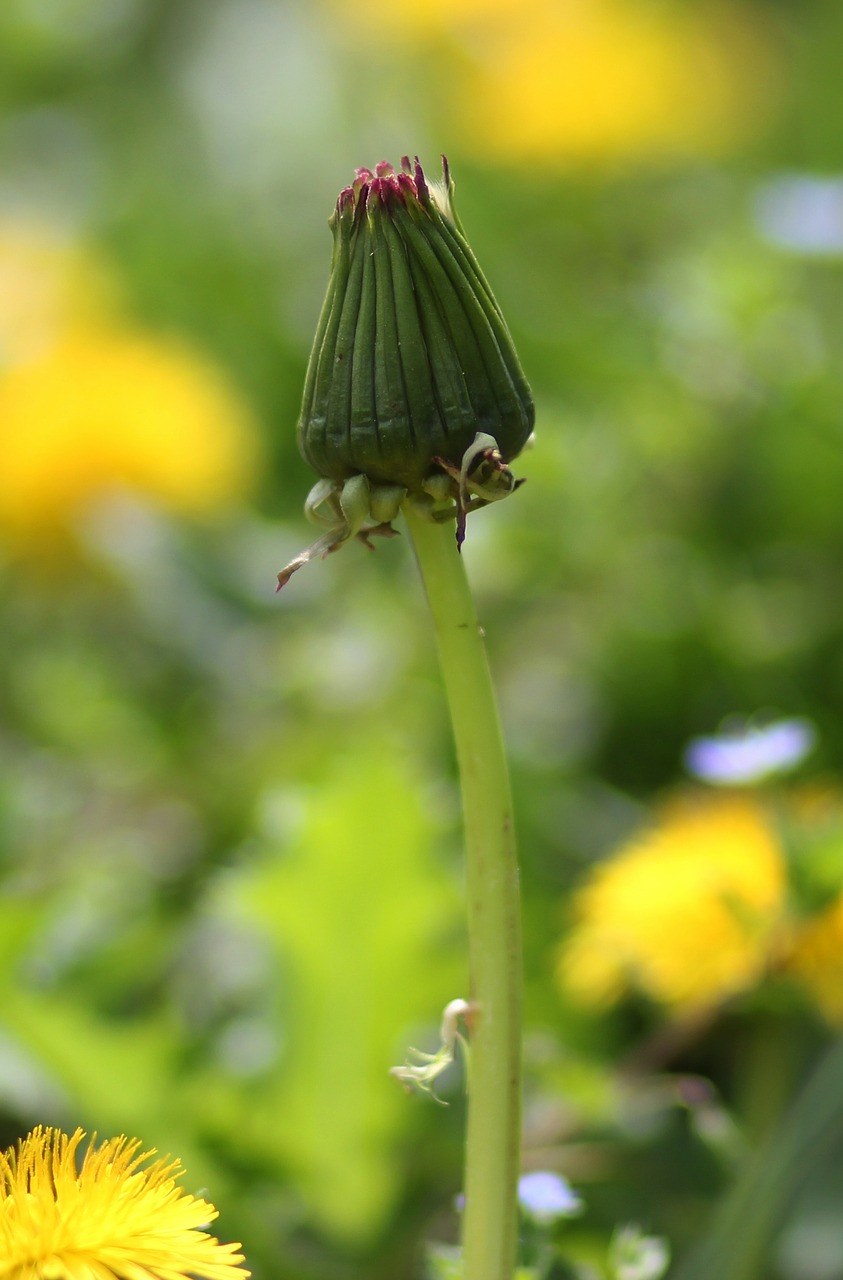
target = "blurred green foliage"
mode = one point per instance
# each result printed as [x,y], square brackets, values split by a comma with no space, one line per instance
[229,832]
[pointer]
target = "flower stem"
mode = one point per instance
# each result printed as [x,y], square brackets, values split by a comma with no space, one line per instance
[494,928]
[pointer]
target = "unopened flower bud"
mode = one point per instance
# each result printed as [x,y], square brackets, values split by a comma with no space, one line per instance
[413,389]
[412,357]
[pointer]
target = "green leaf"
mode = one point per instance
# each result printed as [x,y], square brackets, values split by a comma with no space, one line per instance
[118,1078]
[361,916]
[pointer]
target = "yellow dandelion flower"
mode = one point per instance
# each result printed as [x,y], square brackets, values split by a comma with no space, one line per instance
[688,912]
[47,281]
[105,410]
[106,1217]
[555,82]
[816,959]
[603,79]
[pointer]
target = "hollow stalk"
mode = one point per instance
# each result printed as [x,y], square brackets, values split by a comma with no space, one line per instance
[490,1219]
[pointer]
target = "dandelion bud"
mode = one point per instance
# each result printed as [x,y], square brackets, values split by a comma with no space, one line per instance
[412,357]
[413,390]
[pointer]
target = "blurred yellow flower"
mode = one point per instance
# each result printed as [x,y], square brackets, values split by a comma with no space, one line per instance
[109,409]
[555,81]
[601,79]
[47,281]
[816,959]
[688,913]
[404,22]
[106,1217]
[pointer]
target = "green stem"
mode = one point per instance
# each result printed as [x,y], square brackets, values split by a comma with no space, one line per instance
[490,1222]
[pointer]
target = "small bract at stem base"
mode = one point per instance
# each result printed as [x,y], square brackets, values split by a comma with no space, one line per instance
[494,926]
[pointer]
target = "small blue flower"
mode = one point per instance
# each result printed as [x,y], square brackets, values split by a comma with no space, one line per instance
[546,1197]
[803,213]
[753,753]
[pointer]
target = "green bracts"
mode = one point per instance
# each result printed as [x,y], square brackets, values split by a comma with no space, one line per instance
[412,357]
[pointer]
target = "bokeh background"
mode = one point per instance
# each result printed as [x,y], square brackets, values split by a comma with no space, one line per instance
[230,871]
